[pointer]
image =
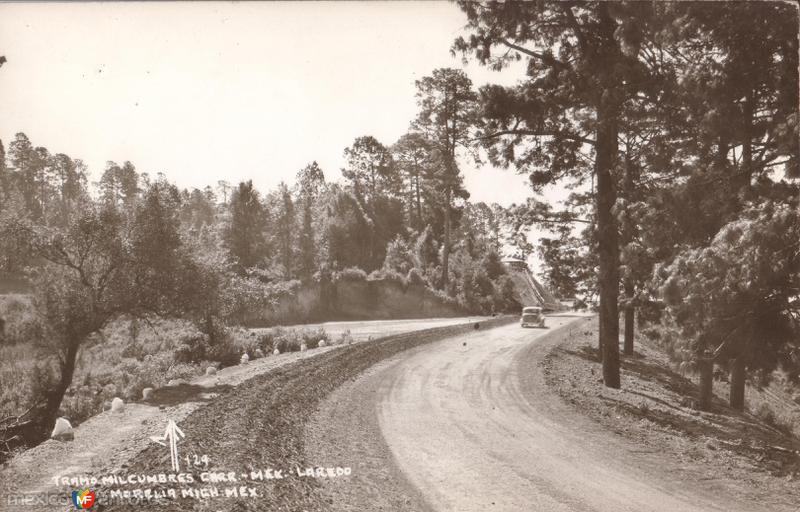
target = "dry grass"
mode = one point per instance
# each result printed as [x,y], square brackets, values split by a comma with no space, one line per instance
[657,409]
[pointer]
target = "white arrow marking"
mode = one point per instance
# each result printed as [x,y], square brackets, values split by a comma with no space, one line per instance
[172,434]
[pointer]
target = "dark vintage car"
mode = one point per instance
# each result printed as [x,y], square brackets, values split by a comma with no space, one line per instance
[532,317]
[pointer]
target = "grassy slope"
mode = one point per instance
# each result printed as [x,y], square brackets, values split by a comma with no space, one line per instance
[656,410]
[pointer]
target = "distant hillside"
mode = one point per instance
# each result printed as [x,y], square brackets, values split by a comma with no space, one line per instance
[529,291]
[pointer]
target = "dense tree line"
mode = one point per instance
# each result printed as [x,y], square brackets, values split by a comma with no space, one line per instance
[133,247]
[681,119]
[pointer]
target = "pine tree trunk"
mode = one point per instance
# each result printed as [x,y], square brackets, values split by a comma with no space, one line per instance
[446,248]
[609,260]
[418,200]
[630,314]
[630,317]
[747,143]
[606,148]
[706,368]
[738,372]
[631,177]
[608,248]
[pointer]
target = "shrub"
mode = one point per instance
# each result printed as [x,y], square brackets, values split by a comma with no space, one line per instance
[192,350]
[182,371]
[396,277]
[285,340]
[151,372]
[198,348]
[80,407]
[415,277]
[351,274]
[225,353]
[345,338]
[289,340]
[445,298]
[244,342]
[312,337]
[133,350]
[399,256]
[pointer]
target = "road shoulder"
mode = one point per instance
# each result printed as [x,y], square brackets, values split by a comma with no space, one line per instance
[723,454]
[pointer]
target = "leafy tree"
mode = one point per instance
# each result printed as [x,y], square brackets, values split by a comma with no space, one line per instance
[244,235]
[42,177]
[412,152]
[5,184]
[717,139]
[306,246]
[71,184]
[482,225]
[155,246]
[373,212]
[370,170]
[310,181]
[100,267]
[198,208]
[119,185]
[24,162]
[426,250]
[311,185]
[523,248]
[285,230]
[447,105]
[224,189]
[493,264]
[740,80]
[561,262]
[217,296]
[346,231]
[737,298]
[584,61]
[358,232]
[399,256]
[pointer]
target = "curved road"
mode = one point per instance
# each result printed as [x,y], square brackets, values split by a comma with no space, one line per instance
[469,426]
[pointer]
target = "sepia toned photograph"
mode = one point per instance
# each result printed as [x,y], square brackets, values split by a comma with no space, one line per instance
[412,256]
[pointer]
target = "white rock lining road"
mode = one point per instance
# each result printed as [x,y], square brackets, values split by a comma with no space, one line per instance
[107,442]
[469,425]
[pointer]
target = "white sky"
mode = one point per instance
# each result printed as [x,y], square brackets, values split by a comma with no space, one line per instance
[235,91]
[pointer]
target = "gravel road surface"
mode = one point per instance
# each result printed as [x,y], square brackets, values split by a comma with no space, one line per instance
[469,425]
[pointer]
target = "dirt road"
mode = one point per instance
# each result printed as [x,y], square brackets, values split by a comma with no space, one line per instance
[470,425]
[108,442]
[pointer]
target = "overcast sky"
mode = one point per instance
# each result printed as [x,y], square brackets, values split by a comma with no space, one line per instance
[234,91]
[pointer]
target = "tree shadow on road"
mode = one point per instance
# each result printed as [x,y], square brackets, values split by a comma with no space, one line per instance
[655,393]
[182,393]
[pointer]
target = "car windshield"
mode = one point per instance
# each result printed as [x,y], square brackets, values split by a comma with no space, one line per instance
[530,311]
